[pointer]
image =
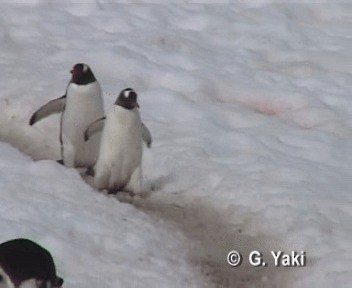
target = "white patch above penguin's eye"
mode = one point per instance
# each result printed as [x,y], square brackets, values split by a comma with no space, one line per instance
[126,93]
[85,68]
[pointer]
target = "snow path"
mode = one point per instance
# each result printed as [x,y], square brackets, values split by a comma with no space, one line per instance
[211,235]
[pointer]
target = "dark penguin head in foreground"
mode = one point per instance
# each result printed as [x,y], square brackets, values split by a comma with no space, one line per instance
[82,74]
[127,99]
[22,260]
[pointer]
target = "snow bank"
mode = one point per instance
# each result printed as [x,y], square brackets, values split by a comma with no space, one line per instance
[96,240]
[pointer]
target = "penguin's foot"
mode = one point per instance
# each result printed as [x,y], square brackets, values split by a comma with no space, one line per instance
[121,194]
[90,171]
[121,191]
[125,196]
[112,191]
[130,193]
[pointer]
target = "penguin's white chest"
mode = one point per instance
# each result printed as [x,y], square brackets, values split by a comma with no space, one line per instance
[84,104]
[121,147]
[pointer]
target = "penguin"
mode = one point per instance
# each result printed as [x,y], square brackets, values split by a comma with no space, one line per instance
[118,167]
[23,263]
[81,104]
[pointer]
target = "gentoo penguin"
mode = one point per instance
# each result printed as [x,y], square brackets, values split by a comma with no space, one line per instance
[24,263]
[119,161]
[82,104]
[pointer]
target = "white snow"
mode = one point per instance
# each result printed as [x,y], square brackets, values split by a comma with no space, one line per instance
[249,106]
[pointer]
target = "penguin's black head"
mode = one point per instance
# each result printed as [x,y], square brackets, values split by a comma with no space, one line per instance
[23,260]
[82,74]
[127,99]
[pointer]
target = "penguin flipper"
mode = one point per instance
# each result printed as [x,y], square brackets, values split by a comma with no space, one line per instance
[94,127]
[53,106]
[146,136]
